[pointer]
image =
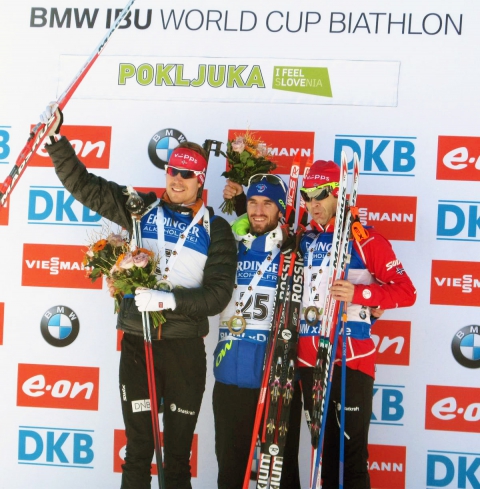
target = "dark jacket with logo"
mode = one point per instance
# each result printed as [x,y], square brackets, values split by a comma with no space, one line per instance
[193,306]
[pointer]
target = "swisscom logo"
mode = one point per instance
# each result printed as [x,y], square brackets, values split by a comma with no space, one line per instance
[58,387]
[283,146]
[48,265]
[91,144]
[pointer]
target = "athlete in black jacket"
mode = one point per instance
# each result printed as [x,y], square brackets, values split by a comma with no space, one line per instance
[202,279]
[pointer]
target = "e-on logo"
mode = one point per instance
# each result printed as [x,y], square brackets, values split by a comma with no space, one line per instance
[162,144]
[466,346]
[59,326]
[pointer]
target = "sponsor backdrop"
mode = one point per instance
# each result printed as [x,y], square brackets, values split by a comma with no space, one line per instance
[397,82]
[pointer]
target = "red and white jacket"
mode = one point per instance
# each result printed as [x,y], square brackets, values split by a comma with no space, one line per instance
[380,282]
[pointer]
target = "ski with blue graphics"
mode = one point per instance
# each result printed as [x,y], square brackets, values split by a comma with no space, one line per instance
[281,315]
[346,223]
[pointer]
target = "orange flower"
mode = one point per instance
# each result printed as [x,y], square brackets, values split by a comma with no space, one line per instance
[143,250]
[99,245]
[120,259]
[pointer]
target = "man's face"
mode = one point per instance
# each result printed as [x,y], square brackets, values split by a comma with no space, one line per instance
[322,210]
[182,191]
[263,214]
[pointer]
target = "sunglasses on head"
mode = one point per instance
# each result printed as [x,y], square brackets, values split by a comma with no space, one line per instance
[273,179]
[318,193]
[185,174]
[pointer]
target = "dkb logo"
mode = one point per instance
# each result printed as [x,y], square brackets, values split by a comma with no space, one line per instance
[380,155]
[453,469]
[458,220]
[55,446]
[54,205]
[4,146]
[387,405]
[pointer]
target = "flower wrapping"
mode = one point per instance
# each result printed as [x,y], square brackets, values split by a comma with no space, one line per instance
[125,270]
[246,156]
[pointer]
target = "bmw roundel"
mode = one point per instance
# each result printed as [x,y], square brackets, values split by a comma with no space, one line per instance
[161,145]
[466,346]
[59,326]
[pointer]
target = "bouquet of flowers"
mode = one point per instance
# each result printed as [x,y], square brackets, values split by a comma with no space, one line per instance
[124,269]
[246,156]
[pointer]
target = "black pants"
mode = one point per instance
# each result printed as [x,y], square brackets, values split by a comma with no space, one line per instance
[358,411]
[180,373]
[234,410]
[359,395]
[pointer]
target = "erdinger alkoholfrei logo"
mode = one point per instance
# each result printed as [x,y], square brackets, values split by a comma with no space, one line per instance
[162,144]
[59,326]
[466,346]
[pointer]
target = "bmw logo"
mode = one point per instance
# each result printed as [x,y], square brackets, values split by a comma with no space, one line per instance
[466,346]
[162,144]
[59,326]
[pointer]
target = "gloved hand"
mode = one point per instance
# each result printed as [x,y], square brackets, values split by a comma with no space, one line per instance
[154,300]
[52,109]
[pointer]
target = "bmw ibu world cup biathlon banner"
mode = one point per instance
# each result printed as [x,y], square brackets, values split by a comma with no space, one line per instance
[395,82]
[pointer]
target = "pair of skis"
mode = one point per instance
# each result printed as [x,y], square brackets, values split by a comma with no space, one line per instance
[333,315]
[276,390]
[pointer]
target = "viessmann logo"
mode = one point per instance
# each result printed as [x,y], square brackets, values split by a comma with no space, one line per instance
[91,144]
[284,146]
[458,158]
[455,283]
[120,441]
[392,340]
[394,217]
[58,386]
[48,265]
[452,408]
[387,466]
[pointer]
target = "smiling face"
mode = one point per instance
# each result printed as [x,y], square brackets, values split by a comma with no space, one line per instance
[263,214]
[322,210]
[182,191]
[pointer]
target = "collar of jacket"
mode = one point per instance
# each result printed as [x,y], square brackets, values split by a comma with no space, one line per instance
[183,209]
[265,242]
[328,228]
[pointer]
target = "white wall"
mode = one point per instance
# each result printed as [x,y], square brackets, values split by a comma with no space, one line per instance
[409,87]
